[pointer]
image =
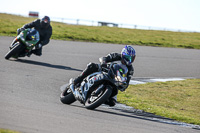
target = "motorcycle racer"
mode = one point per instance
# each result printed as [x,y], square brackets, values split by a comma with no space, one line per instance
[45,30]
[127,57]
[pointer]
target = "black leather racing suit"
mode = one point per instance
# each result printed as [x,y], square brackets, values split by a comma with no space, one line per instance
[92,67]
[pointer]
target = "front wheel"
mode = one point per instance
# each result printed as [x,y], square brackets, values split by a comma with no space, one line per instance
[93,102]
[67,97]
[14,51]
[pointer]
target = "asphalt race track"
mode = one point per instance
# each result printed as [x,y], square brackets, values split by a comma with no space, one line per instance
[30,88]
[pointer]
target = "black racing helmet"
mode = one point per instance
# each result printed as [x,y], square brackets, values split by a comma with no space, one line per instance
[45,22]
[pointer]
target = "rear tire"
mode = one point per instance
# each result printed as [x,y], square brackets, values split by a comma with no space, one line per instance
[67,97]
[15,50]
[92,102]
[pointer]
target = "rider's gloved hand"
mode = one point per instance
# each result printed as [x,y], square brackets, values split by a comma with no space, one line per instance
[20,30]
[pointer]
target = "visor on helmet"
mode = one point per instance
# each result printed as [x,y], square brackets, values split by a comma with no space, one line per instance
[128,58]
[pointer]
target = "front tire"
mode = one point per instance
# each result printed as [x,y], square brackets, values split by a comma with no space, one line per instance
[14,51]
[93,102]
[67,97]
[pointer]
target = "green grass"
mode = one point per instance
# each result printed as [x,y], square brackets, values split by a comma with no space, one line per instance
[179,100]
[7,131]
[61,31]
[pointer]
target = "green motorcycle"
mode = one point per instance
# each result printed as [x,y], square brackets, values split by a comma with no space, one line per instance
[23,43]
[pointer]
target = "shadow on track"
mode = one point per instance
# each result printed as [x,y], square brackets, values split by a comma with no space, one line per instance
[47,65]
[126,113]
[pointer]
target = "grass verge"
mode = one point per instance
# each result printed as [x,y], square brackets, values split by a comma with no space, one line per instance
[61,31]
[179,100]
[7,131]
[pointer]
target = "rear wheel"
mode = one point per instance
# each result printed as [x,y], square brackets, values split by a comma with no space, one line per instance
[14,51]
[67,97]
[93,102]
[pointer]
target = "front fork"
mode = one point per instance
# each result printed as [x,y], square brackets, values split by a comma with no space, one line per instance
[13,42]
[75,92]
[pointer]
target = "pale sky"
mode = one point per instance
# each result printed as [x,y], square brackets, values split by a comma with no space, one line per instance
[169,14]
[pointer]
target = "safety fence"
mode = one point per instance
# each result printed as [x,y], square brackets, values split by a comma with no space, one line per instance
[110,24]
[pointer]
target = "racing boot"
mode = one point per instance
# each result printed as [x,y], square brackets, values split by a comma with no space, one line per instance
[111,102]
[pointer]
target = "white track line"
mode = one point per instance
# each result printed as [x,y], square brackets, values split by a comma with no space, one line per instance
[143,81]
